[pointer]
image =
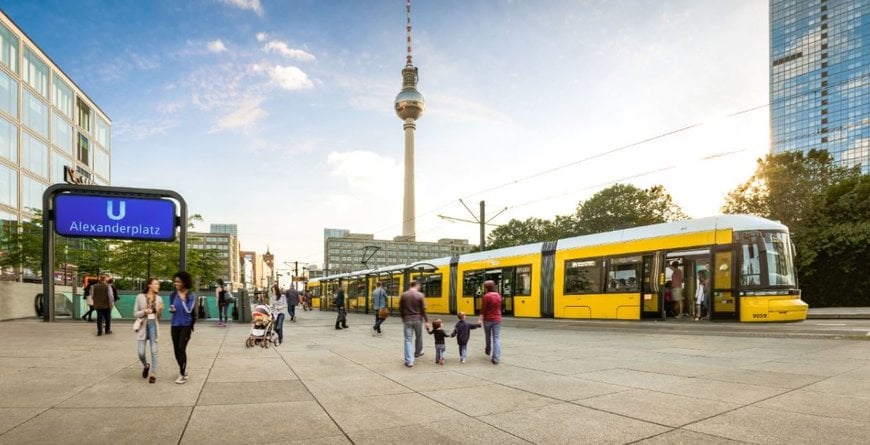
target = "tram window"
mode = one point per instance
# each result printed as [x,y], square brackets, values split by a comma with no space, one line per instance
[391,286]
[583,276]
[750,265]
[356,288]
[622,275]
[430,285]
[524,280]
[780,269]
[472,283]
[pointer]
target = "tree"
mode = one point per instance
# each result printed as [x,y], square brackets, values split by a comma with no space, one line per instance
[621,206]
[787,186]
[516,232]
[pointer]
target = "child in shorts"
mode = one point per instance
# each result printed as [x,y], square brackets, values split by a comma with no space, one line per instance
[462,332]
[440,348]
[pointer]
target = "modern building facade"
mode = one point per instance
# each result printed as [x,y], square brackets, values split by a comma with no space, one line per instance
[257,275]
[343,251]
[228,248]
[820,78]
[232,229]
[49,129]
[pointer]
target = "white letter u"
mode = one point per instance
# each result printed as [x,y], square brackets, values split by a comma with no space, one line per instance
[111,214]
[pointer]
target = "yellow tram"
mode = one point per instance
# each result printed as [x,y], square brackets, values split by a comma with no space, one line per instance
[620,275]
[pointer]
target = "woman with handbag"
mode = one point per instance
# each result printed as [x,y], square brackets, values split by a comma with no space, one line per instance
[149,307]
[379,304]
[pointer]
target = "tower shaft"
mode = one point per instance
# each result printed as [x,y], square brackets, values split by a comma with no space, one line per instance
[408,211]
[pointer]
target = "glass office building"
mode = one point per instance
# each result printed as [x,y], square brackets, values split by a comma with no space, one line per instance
[47,125]
[820,78]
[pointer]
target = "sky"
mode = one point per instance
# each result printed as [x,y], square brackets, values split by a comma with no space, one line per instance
[277,115]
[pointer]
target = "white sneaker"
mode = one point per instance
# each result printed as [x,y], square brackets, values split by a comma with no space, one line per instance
[181,379]
[462,360]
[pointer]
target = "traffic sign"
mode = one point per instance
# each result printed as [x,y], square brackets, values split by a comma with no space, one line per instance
[117,217]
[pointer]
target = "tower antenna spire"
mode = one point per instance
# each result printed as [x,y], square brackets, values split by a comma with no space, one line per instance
[408,4]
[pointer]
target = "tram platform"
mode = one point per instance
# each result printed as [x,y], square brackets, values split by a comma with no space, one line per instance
[558,382]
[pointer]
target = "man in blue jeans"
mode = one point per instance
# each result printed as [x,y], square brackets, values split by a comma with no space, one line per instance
[490,312]
[412,308]
[379,300]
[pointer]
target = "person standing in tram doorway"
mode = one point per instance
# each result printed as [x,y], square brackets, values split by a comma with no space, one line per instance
[677,288]
[490,314]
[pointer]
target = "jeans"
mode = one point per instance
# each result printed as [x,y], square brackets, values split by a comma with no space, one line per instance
[341,319]
[180,338]
[411,329]
[292,310]
[493,338]
[151,337]
[378,321]
[279,327]
[222,312]
[440,352]
[463,352]
[104,316]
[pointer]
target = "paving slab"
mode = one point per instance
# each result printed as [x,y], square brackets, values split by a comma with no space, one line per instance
[683,437]
[820,404]
[658,407]
[238,393]
[490,399]
[462,431]
[12,417]
[368,413]
[262,423]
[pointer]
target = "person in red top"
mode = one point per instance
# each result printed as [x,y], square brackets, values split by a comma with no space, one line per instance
[490,312]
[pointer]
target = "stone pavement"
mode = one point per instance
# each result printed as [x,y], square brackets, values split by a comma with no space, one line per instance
[59,383]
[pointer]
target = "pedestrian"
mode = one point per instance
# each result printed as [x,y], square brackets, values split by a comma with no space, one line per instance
[677,288]
[462,332]
[103,304]
[412,308]
[341,319]
[292,302]
[490,314]
[701,294]
[440,344]
[182,304]
[223,301]
[149,308]
[113,291]
[379,304]
[279,306]
[89,299]
[308,298]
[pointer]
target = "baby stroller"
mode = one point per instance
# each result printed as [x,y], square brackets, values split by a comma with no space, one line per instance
[262,331]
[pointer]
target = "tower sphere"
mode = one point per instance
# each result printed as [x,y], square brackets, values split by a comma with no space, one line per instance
[409,104]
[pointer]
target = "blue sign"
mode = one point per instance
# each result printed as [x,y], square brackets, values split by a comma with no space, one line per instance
[118,217]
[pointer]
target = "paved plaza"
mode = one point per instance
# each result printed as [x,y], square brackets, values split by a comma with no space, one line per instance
[558,382]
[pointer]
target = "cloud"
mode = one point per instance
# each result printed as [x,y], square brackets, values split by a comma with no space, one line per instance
[217,46]
[286,77]
[253,5]
[243,116]
[366,172]
[280,47]
[261,36]
[143,129]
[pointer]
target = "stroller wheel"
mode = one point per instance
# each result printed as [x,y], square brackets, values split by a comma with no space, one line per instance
[248,343]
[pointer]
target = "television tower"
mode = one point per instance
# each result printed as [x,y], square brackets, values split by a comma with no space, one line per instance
[409,107]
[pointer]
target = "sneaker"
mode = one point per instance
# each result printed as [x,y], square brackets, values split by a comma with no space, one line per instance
[152,379]
[441,362]
[145,370]
[409,365]
[181,380]
[418,355]
[494,361]
[487,351]
[462,360]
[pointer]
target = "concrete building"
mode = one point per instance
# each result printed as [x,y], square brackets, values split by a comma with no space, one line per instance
[257,275]
[50,130]
[820,78]
[232,229]
[228,248]
[343,251]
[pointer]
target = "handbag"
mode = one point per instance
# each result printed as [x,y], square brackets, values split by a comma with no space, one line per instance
[137,325]
[383,313]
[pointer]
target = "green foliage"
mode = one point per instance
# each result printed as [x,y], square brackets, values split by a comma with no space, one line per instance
[827,209]
[617,207]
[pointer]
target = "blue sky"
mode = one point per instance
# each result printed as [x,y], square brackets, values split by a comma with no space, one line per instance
[278,115]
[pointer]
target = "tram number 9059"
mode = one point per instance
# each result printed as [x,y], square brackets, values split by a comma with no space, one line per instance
[762,315]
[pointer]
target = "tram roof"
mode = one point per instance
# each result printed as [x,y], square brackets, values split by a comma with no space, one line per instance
[720,222]
[507,252]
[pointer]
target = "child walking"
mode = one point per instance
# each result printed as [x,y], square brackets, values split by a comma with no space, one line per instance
[440,348]
[462,332]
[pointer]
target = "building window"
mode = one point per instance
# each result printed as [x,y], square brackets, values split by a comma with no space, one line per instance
[102,133]
[61,133]
[101,163]
[583,276]
[58,162]
[34,155]
[8,94]
[63,97]
[8,186]
[35,72]
[84,112]
[35,114]
[8,49]
[33,191]
[8,141]
[84,149]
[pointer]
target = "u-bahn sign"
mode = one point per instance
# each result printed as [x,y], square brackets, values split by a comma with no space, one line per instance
[117,217]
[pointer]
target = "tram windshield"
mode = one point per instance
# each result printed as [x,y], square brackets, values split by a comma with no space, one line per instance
[780,266]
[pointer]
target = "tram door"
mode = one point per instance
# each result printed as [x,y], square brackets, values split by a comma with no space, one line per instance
[652,301]
[694,269]
[504,285]
[724,296]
